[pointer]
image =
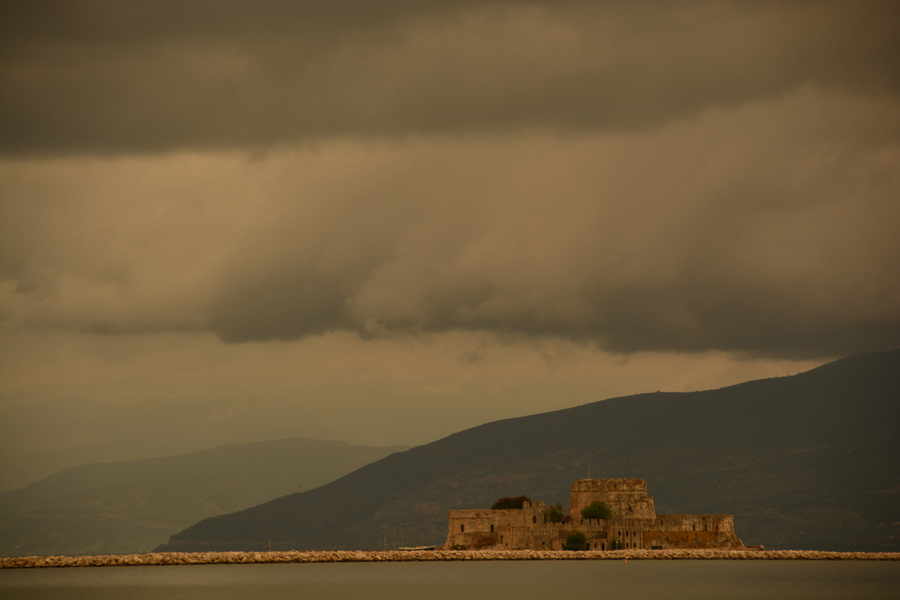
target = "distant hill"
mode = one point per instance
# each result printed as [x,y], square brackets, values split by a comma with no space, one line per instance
[132,506]
[810,461]
[40,439]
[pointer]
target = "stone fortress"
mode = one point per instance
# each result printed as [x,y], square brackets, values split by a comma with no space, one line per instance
[632,524]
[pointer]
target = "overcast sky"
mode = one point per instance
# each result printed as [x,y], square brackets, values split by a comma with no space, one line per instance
[402,218]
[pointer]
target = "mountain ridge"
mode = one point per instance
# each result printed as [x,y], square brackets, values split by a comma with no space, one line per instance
[807,461]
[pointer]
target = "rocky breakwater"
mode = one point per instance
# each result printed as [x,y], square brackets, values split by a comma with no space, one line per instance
[209,558]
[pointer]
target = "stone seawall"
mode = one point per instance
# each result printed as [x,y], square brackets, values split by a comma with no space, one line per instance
[208,558]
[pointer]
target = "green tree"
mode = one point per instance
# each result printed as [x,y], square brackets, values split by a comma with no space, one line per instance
[556,514]
[596,510]
[576,541]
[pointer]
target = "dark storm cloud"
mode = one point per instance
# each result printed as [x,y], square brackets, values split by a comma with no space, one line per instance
[768,232]
[769,229]
[110,77]
[732,185]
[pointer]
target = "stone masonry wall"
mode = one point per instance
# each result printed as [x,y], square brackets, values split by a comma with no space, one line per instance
[665,540]
[715,523]
[600,534]
[527,527]
[626,498]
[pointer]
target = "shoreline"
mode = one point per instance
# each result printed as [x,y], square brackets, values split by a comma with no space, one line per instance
[326,556]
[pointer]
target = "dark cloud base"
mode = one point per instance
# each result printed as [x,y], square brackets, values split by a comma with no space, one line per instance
[107,78]
[681,319]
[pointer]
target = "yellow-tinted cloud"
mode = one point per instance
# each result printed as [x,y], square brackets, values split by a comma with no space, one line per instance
[766,228]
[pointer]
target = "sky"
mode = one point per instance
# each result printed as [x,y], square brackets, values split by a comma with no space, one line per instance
[386,222]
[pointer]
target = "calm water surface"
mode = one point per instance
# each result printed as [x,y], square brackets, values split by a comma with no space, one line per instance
[696,580]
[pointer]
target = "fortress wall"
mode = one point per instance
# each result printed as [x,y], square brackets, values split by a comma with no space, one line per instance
[507,528]
[690,539]
[550,536]
[506,537]
[626,498]
[601,533]
[713,523]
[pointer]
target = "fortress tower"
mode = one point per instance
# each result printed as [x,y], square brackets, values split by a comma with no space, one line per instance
[626,498]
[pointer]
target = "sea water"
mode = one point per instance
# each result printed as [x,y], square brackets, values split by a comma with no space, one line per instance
[688,579]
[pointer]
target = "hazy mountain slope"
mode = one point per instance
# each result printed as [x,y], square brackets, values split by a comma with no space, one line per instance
[132,506]
[39,440]
[809,461]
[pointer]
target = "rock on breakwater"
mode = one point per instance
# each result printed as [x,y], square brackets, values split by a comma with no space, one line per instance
[206,558]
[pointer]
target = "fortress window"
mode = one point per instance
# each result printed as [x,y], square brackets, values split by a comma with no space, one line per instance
[534,519]
[462,528]
[492,529]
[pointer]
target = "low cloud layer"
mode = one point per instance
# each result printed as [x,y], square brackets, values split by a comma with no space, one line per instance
[94,77]
[637,176]
[767,229]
